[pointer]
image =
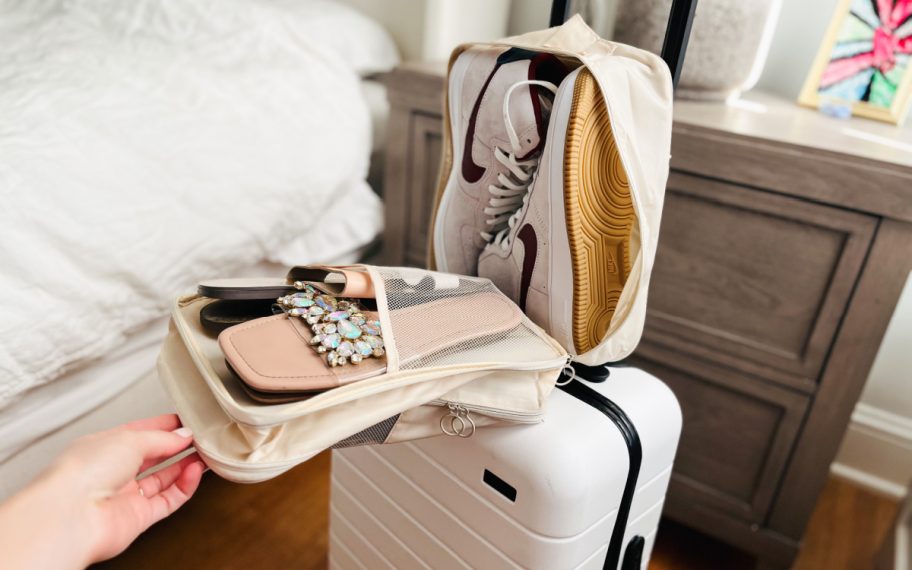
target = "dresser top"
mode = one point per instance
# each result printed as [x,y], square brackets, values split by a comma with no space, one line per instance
[766,117]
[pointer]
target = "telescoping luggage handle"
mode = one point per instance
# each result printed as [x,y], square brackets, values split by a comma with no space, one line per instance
[676,36]
[677,33]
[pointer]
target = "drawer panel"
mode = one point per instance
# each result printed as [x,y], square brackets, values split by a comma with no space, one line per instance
[736,437]
[753,280]
[426,143]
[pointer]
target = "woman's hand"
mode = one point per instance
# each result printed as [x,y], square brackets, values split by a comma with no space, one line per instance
[88,506]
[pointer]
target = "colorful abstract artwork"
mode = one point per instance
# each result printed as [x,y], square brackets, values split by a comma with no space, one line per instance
[865,60]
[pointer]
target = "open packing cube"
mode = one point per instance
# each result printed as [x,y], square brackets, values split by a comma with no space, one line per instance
[458,355]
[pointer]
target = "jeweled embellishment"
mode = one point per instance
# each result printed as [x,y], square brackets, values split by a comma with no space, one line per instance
[331,340]
[341,332]
[348,329]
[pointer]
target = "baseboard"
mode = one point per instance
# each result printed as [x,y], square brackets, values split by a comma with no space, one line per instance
[876,452]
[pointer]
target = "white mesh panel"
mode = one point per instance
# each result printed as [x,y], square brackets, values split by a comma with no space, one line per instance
[439,319]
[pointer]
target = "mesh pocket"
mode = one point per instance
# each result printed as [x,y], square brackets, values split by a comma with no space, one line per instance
[373,435]
[439,319]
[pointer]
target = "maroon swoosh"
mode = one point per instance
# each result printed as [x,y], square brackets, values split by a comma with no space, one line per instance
[530,243]
[471,172]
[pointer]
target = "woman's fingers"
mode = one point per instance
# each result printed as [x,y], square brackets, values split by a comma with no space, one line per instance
[156,444]
[153,460]
[173,497]
[164,422]
[125,516]
[127,453]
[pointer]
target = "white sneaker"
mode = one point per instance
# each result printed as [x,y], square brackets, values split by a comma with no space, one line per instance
[566,254]
[498,103]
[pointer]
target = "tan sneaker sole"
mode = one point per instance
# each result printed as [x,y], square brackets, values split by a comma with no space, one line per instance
[600,214]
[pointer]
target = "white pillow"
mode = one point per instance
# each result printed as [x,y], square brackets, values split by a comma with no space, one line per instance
[359,40]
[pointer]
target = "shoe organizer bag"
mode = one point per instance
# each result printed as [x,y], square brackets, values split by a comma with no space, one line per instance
[637,89]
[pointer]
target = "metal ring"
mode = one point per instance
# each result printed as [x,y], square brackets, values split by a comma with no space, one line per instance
[452,430]
[462,425]
[471,423]
[570,377]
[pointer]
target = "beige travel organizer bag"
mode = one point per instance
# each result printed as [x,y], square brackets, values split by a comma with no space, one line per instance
[637,89]
[428,388]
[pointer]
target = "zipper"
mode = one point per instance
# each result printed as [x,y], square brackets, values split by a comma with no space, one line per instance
[459,419]
[459,422]
[497,413]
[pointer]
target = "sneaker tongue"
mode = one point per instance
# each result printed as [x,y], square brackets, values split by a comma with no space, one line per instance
[543,67]
[539,103]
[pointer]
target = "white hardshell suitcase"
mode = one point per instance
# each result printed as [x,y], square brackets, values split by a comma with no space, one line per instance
[583,489]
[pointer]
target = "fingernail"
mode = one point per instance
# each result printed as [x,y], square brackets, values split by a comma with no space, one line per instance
[183,432]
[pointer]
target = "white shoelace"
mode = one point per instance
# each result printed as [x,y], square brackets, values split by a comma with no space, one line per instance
[509,200]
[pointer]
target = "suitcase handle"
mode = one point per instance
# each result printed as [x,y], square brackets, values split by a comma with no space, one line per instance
[631,437]
[676,34]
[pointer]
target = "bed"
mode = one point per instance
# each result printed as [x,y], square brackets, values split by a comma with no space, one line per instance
[149,144]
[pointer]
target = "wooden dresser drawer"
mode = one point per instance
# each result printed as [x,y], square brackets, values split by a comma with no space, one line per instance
[753,280]
[408,213]
[736,438]
[426,140]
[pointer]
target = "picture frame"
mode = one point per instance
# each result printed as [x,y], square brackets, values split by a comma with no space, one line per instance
[865,61]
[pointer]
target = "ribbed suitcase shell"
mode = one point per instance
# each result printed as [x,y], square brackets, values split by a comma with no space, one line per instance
[427,503]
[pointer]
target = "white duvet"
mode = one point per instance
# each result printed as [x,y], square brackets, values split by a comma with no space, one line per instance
[147,144]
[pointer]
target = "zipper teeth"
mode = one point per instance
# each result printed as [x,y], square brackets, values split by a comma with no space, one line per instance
[491,412]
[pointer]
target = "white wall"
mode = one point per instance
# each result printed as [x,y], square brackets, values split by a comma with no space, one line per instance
[889,386]
[428,30]
[403,19]
[802,25]
[528,15]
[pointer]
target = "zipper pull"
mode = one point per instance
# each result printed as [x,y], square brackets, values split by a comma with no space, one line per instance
[457,422]
[567,374]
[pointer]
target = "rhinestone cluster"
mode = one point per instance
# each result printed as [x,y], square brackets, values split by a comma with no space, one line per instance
[341,331]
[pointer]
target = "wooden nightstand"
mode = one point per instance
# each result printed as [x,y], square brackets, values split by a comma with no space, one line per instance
[786,240]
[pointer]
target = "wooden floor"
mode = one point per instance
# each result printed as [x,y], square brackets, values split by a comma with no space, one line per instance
[282,524]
